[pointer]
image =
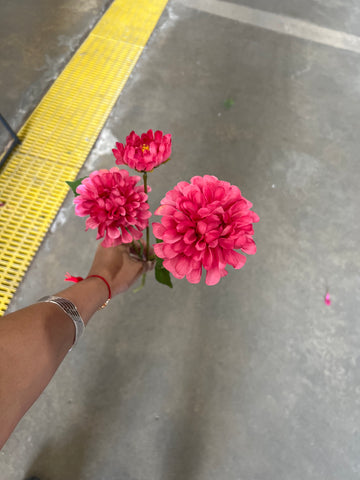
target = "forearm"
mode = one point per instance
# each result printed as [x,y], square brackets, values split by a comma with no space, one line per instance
[33,343]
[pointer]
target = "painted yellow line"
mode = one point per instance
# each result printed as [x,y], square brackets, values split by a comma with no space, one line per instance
[60,133]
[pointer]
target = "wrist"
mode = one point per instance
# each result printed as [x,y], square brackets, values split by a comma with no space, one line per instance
[103,279]
[88,296]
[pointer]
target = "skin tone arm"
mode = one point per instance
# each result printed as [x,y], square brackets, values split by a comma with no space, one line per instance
[35,340]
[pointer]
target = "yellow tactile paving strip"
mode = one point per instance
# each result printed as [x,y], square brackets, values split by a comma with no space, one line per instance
[60,133]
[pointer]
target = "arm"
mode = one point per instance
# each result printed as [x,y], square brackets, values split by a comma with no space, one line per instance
[35,340]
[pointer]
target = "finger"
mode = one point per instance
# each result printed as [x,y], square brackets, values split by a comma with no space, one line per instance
[134,257]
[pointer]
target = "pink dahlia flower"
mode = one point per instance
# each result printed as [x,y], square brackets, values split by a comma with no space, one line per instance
[144,153]
[202,224]
[115,205]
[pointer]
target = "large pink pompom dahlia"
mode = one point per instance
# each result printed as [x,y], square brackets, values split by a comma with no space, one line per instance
[117,207]
[202,224]
[144,153]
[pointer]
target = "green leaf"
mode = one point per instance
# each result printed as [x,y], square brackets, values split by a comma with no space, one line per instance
[73,185]
[161,274]
[229,102]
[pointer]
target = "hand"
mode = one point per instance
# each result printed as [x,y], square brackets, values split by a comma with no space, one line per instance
[120,268]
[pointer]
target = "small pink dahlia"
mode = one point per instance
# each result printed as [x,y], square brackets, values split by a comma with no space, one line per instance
[202,224]
[144,153]
[117,207]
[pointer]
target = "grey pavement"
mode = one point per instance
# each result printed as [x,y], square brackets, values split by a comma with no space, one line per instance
[343,15]
[38,38]
[256,378]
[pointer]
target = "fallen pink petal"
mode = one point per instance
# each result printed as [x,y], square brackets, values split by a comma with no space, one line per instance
[327,299]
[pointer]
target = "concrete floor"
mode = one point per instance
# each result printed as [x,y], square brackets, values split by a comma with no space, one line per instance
[255,379]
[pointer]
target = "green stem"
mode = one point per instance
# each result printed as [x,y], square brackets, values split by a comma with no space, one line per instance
[142,285]
[147,228]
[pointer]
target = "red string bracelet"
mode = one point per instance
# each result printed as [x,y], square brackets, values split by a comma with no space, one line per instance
[70,278]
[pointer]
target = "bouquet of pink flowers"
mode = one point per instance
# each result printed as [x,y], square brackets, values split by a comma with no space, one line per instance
[203,222]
